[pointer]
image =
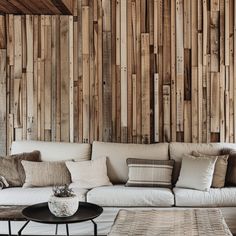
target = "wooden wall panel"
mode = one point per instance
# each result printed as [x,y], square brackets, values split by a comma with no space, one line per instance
[138,71]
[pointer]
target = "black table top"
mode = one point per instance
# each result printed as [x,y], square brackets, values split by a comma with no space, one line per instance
[41,213]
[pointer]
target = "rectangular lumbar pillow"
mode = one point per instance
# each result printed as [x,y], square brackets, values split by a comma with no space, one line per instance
[42,174]
[220,170]
[196,172]
[149,173]
[88,174]
[12,170]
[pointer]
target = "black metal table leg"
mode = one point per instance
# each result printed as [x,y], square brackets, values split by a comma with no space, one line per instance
[95,228]
[56,231]
[9,227]
[22,228]
[67,230]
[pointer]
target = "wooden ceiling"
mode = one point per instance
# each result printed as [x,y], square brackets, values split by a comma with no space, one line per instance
[41,7]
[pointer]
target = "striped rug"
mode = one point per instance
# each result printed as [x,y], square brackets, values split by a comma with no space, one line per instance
[173,222]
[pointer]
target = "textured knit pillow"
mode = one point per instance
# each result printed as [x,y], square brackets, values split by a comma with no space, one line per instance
[41,174]
[88,174]
[231,170]
[149,173]
[12,170]
[220,170]
[196,172]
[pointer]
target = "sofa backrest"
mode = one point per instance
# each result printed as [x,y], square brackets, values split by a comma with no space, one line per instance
[54,151]
[117,153]
[177,150]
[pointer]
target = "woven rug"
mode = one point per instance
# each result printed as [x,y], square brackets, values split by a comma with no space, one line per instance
[190,222]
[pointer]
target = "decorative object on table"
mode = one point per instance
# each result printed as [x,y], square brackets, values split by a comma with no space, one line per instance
[3,183]
[64,202]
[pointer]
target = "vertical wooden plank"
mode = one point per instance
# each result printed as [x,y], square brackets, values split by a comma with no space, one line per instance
[227,54]
[187,24]
[205,29]
[71,79]
[3,41]
[194,102]
[64,52]
[215,42]
[166,42]
[123,66]
[29,76]
[173,72]
[10,40]
[187,122]
[107,83]
[86,82]
[179,65]
[166,112]
[3,105]
[215,103]
[200,87]
[48,77]
[134,108]
[156,107]
[118,70]
[145,76]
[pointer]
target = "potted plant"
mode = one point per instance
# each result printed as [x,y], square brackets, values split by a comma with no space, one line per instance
[63,202]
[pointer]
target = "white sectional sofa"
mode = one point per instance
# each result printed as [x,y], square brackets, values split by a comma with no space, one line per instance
[115,197]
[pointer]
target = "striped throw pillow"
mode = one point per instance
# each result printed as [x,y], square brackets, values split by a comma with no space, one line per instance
[149,173]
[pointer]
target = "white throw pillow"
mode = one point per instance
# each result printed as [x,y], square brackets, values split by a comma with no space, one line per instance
[88,174]
[196,172]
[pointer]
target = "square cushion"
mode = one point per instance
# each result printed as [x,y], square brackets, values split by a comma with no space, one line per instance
[196,172]
[11,167]
[29,196]
[220,170]
[88,174]
[117,153]
[215,197]
[121,196]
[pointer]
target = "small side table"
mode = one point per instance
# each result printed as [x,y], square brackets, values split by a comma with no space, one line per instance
[40,213]
[11,213]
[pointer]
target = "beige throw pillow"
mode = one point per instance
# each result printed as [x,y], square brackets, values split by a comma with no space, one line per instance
[42,174]
[220,170]
[88,174]
[196,172]
[149,173]
[12,170]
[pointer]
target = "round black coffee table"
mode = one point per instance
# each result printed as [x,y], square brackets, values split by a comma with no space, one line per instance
[40,213]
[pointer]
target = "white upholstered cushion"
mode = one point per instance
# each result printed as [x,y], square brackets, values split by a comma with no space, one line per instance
[177,150]
[121,196]
[117,153]
[29,196]
[216,197]
[54,151]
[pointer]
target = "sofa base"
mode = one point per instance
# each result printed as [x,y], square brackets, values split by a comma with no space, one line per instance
[104,222]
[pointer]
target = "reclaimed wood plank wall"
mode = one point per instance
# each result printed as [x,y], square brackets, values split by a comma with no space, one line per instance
[135,71]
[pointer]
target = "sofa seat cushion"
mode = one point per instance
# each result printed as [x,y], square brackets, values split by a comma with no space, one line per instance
[216,197]
[29,196]
[121,196]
